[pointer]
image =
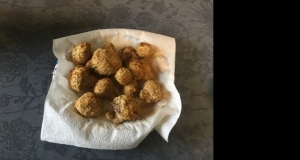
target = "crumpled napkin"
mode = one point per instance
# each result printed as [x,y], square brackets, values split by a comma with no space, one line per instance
[62,125]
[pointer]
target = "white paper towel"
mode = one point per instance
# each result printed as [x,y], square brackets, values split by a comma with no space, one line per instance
[62,125]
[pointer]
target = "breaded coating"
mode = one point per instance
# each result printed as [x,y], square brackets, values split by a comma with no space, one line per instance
[126,108]
[109,46]
[149,74]
[127,53]
[151,92]
[131,89]
[123,76]
[81,53]
[110,115]
[106,61]
[136,68]
[104,88]
[144,50]
[81,80]
[89,64]
[88,105]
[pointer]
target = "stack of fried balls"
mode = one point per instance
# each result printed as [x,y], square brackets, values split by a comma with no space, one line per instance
[123,77]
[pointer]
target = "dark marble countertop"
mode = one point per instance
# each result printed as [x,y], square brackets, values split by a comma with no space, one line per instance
[27,29]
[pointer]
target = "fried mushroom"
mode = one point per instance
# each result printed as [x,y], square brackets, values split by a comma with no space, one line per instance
[80,79]
[151,92]
[149,74]
[126,108]
[131,89]
[127,53]
[144,50]
[104,88]
[81,53]
[106,61]
[88,105]
[136,68]
[123,76]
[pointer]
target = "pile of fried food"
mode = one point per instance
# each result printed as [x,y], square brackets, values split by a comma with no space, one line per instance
[123,77]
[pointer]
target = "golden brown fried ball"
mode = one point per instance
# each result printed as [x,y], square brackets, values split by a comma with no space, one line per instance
[144,49]
[151,92]
[88,105]
[127,53]
[81,53]
[106,61]
[136,68]
[123,76]
[104,88]
[131,89]
[80,79]
[149,74]
[126,108]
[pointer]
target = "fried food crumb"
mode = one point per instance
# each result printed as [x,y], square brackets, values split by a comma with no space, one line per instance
[110,115]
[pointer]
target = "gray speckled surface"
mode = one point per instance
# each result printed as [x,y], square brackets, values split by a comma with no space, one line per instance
[27,28]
